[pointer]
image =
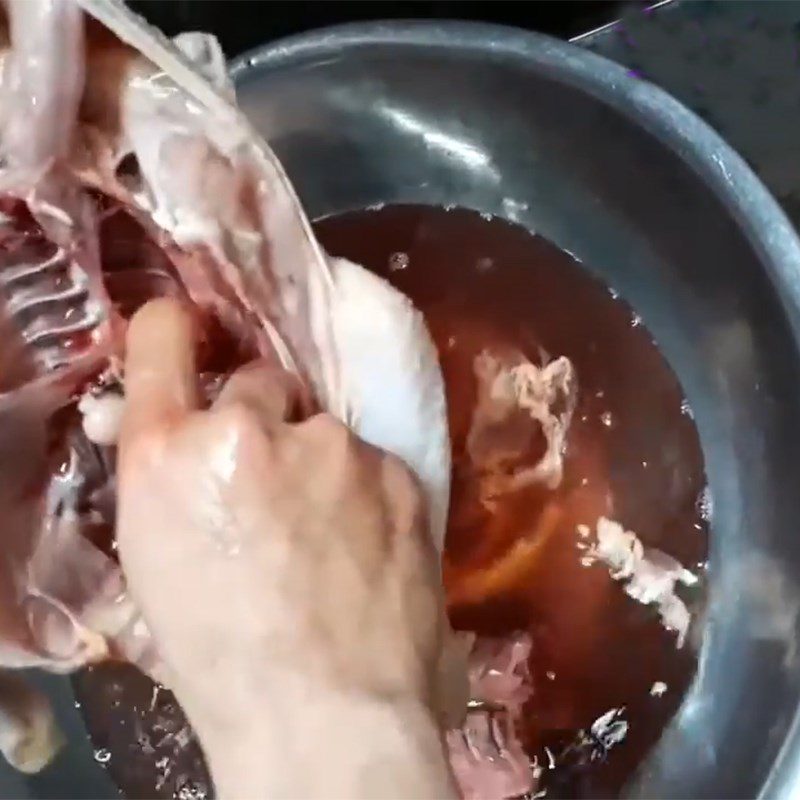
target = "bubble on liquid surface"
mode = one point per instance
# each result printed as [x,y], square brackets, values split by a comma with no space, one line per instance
[398,261]
[705,505]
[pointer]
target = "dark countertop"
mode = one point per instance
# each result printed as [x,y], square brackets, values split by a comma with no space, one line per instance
[243,24]
[734,62]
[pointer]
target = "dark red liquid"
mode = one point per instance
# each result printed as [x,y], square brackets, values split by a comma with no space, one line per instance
[632,453]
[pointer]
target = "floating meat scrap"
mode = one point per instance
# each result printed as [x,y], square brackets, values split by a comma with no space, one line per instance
[648,575]
[499,672]
[519,404]
[126,172]
[609,729]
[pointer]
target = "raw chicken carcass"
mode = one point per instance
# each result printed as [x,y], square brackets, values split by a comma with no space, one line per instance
[135,155]
[128,172]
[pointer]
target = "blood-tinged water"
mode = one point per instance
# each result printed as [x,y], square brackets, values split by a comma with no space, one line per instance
[632,446]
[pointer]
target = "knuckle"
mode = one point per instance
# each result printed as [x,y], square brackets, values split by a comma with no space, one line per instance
[330,433]
[408,500]
[335,449]
[239,420]
[401,475]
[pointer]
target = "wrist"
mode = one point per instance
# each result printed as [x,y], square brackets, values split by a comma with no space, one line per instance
[301,741]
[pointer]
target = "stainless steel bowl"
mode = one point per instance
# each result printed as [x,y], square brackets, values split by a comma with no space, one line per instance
[618,173]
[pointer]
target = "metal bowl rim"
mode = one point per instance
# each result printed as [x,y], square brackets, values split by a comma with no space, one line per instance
[716,163]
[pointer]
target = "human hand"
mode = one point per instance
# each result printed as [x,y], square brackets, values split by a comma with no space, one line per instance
[287,576]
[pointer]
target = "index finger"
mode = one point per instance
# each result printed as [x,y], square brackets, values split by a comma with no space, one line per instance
[160,377]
